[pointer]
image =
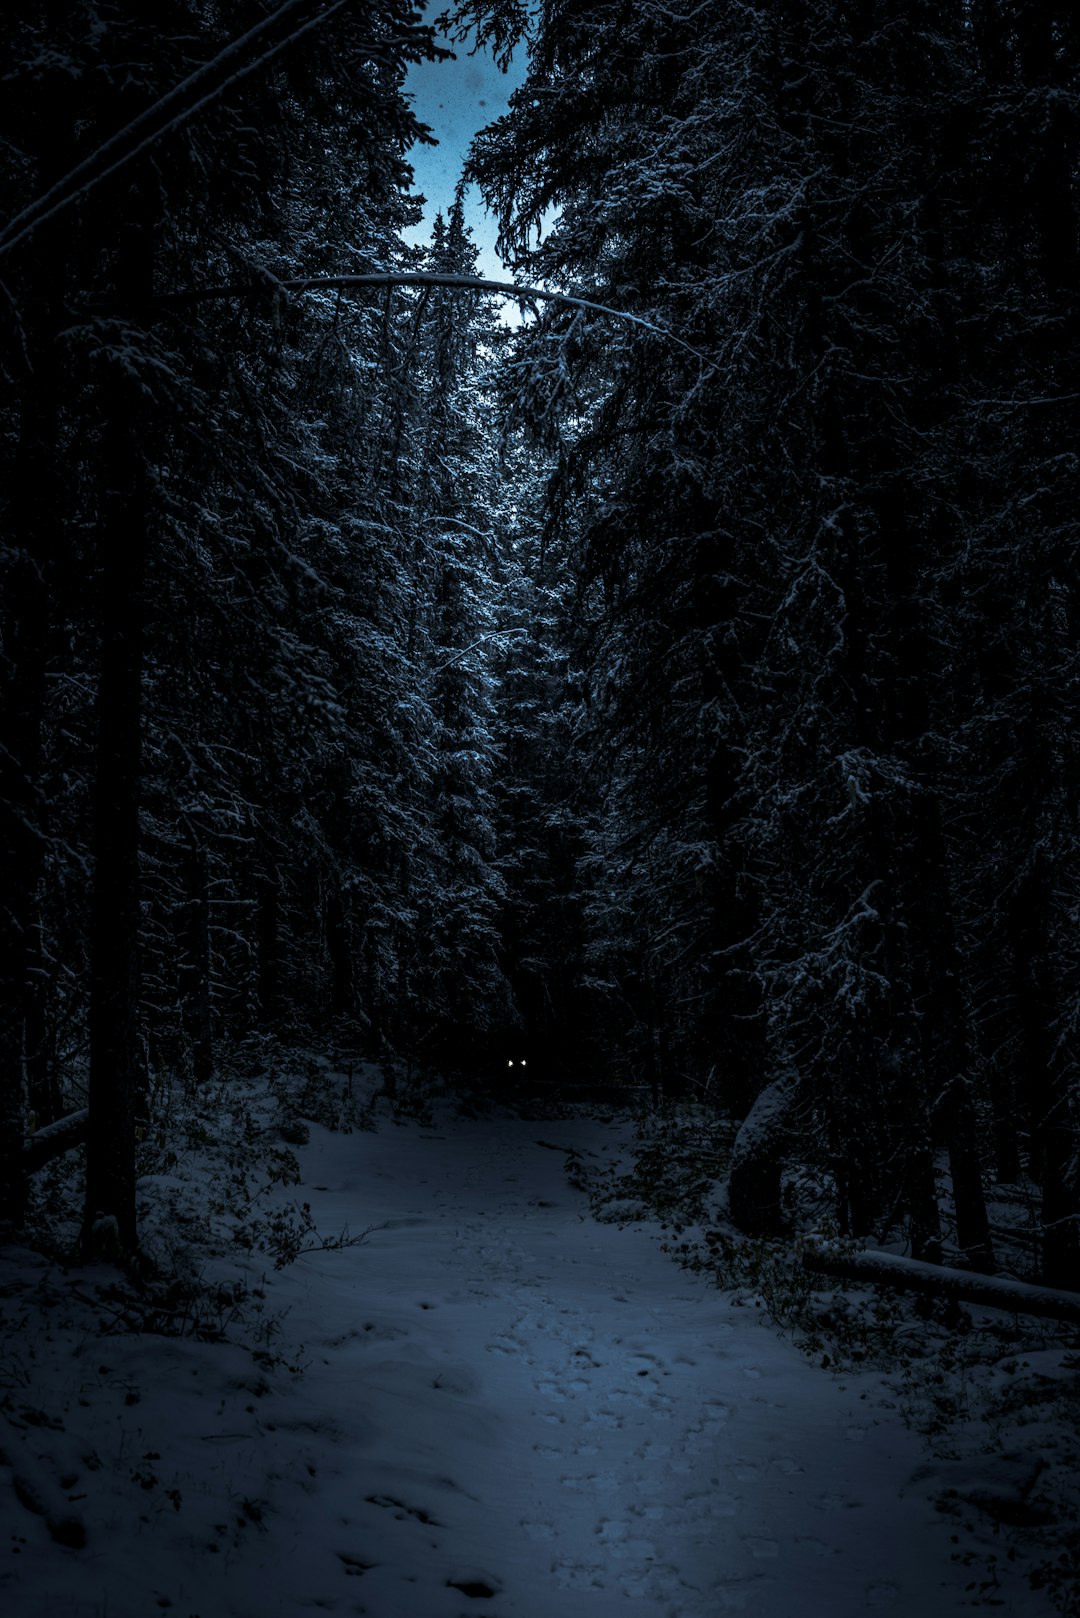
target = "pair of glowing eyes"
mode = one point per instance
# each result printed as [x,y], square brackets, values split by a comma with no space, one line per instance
[522,1063]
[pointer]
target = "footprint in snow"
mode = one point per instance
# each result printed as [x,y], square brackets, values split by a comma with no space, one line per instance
[355,1567]
[651,1513]
[882,1594]
[478,1587]
[739,1597]
[818,1547]
[590,1482]
[608,1419]
[375,1332]
[698,1508]
[577,1575]
[402,1511]
[457,1380]
[538,1530]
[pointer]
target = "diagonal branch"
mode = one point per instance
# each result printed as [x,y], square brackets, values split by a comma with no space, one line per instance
[175,108]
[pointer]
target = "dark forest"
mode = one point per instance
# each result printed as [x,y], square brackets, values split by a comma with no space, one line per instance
[677,688]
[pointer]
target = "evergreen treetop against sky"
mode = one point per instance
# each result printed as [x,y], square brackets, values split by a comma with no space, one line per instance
[695,712]
[455,96]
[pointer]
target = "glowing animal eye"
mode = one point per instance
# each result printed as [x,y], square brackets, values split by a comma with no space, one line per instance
[523,1062]
[509,1064]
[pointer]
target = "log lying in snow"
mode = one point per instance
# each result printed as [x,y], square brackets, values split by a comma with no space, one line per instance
[909,1275]
[53,1139]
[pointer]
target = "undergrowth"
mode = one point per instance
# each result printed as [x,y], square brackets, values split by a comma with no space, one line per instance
[216,1168]
[969,1382]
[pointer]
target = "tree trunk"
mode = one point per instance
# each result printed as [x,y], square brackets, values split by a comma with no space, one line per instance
[969,1203]
[268,943]
[338,947]
[35,541]
[42,1079]
[1053,1134]
[109,1228]
[1006,1110]
[757,1161]
[198,1011]
[944,1021]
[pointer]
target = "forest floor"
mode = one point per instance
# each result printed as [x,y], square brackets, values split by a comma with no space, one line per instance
[478,1398]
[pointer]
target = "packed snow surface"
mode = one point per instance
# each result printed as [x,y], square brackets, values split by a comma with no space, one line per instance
[506,1408]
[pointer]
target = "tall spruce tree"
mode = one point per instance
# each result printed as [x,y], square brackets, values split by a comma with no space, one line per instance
[150,497]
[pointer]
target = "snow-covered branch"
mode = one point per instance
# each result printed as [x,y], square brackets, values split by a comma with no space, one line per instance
[427,278]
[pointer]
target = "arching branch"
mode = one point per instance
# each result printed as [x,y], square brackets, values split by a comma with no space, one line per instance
[422,278]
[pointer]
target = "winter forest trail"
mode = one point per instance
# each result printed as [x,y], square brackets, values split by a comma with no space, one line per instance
[562,1421]
[493,1404]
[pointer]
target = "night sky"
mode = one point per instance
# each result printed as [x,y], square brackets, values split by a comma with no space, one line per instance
[456,98]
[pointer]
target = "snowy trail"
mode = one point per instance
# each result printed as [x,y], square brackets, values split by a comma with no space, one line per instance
[568,1423]
[507,1409]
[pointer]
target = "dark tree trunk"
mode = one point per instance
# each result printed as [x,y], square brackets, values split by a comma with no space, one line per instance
[115,1058]
[268,944]
[969,1202]
[1006,1111]
[1053,1132]
[198,1010]
[757,1162]
[35,544]
[20,857]
[339,949]
[922,1204]
[114,966]
[943,1023]
[42,1078]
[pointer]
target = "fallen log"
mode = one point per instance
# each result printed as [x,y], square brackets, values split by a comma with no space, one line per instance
[54,1139]
[935,1281]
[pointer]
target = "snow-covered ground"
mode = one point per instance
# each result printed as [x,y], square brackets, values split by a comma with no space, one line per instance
[493,1405]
